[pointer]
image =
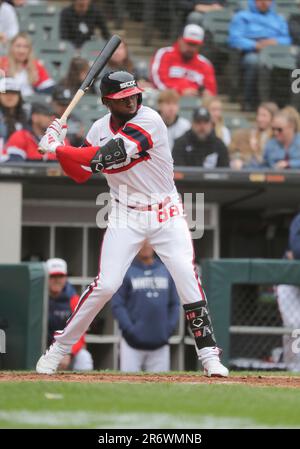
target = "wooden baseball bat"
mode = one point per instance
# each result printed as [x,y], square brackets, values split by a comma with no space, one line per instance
[93,73]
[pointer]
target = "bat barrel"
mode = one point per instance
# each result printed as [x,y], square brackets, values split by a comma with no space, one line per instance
[101,61]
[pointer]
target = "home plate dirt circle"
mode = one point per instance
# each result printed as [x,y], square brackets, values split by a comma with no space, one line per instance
[250,380]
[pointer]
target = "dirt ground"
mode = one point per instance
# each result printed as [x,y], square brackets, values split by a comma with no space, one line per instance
[250,380]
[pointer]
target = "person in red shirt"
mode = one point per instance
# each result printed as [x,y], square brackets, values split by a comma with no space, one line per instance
[21,64]
[23,144]
[182,68]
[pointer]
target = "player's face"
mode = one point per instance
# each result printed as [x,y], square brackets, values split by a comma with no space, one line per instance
[123,109]
[56,284]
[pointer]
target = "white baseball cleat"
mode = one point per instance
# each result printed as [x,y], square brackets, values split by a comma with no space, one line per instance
[49,362]
[210,360]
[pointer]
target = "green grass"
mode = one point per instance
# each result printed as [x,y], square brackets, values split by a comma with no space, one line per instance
[83,405]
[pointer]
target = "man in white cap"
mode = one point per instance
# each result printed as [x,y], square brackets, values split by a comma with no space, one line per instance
[62,302]
[182,68]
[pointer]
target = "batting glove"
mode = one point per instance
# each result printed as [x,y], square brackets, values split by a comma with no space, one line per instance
[59,128]
[49,143]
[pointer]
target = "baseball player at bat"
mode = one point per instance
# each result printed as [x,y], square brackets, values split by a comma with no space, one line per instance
[130,147]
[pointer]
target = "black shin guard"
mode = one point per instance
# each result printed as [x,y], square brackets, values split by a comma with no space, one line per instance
[199,321]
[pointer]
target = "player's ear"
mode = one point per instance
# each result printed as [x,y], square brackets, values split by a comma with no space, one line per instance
[105,102]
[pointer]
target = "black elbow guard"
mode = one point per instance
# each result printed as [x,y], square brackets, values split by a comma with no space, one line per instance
[112,153]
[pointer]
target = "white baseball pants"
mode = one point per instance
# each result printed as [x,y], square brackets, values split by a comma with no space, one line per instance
[134,360]
[127,230]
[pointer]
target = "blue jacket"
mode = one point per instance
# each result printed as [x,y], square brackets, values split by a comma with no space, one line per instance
[274,152]
[294,237]
[249,26]
[60,308]
[146,306]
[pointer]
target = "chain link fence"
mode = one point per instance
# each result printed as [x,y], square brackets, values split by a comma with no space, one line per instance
[263,320]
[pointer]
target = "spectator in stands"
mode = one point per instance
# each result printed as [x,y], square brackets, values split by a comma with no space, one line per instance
[200,147]
[80,21]
[283,150]
[168,107]
[291,111]
[9,25]
[23,144]
[121,60]
[77,72]
[288,297]
[21,65]
[13,115]
[63,300]
[61,97]
[147,309]
[214,106]
[294,28]
[182,68]
[247,146]
[251,31]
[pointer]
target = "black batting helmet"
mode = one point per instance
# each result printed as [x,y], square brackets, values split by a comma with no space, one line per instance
[119,84]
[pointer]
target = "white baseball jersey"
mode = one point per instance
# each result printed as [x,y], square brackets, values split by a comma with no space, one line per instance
[148,169]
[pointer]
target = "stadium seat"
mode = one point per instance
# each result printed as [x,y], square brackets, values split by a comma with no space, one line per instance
[56,56]
[236,5]
[150,97]
[236,121]
[88,117]
[38,98]
[40,9]
[42,28]
[287,7]
[91,102]
[90,49]
[34,17]
[217,23]
[189,103]
[279,56]
[186,113]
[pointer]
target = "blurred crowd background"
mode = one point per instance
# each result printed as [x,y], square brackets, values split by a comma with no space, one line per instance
[221,74]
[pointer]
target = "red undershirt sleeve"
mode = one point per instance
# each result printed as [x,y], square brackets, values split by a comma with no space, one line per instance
[76,161]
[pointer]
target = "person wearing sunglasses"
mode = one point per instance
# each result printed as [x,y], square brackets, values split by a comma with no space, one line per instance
[283,150]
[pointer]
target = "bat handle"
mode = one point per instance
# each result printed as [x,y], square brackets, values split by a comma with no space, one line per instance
[73,103]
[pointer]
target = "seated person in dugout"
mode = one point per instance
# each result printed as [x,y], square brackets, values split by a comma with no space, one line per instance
[63,300]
